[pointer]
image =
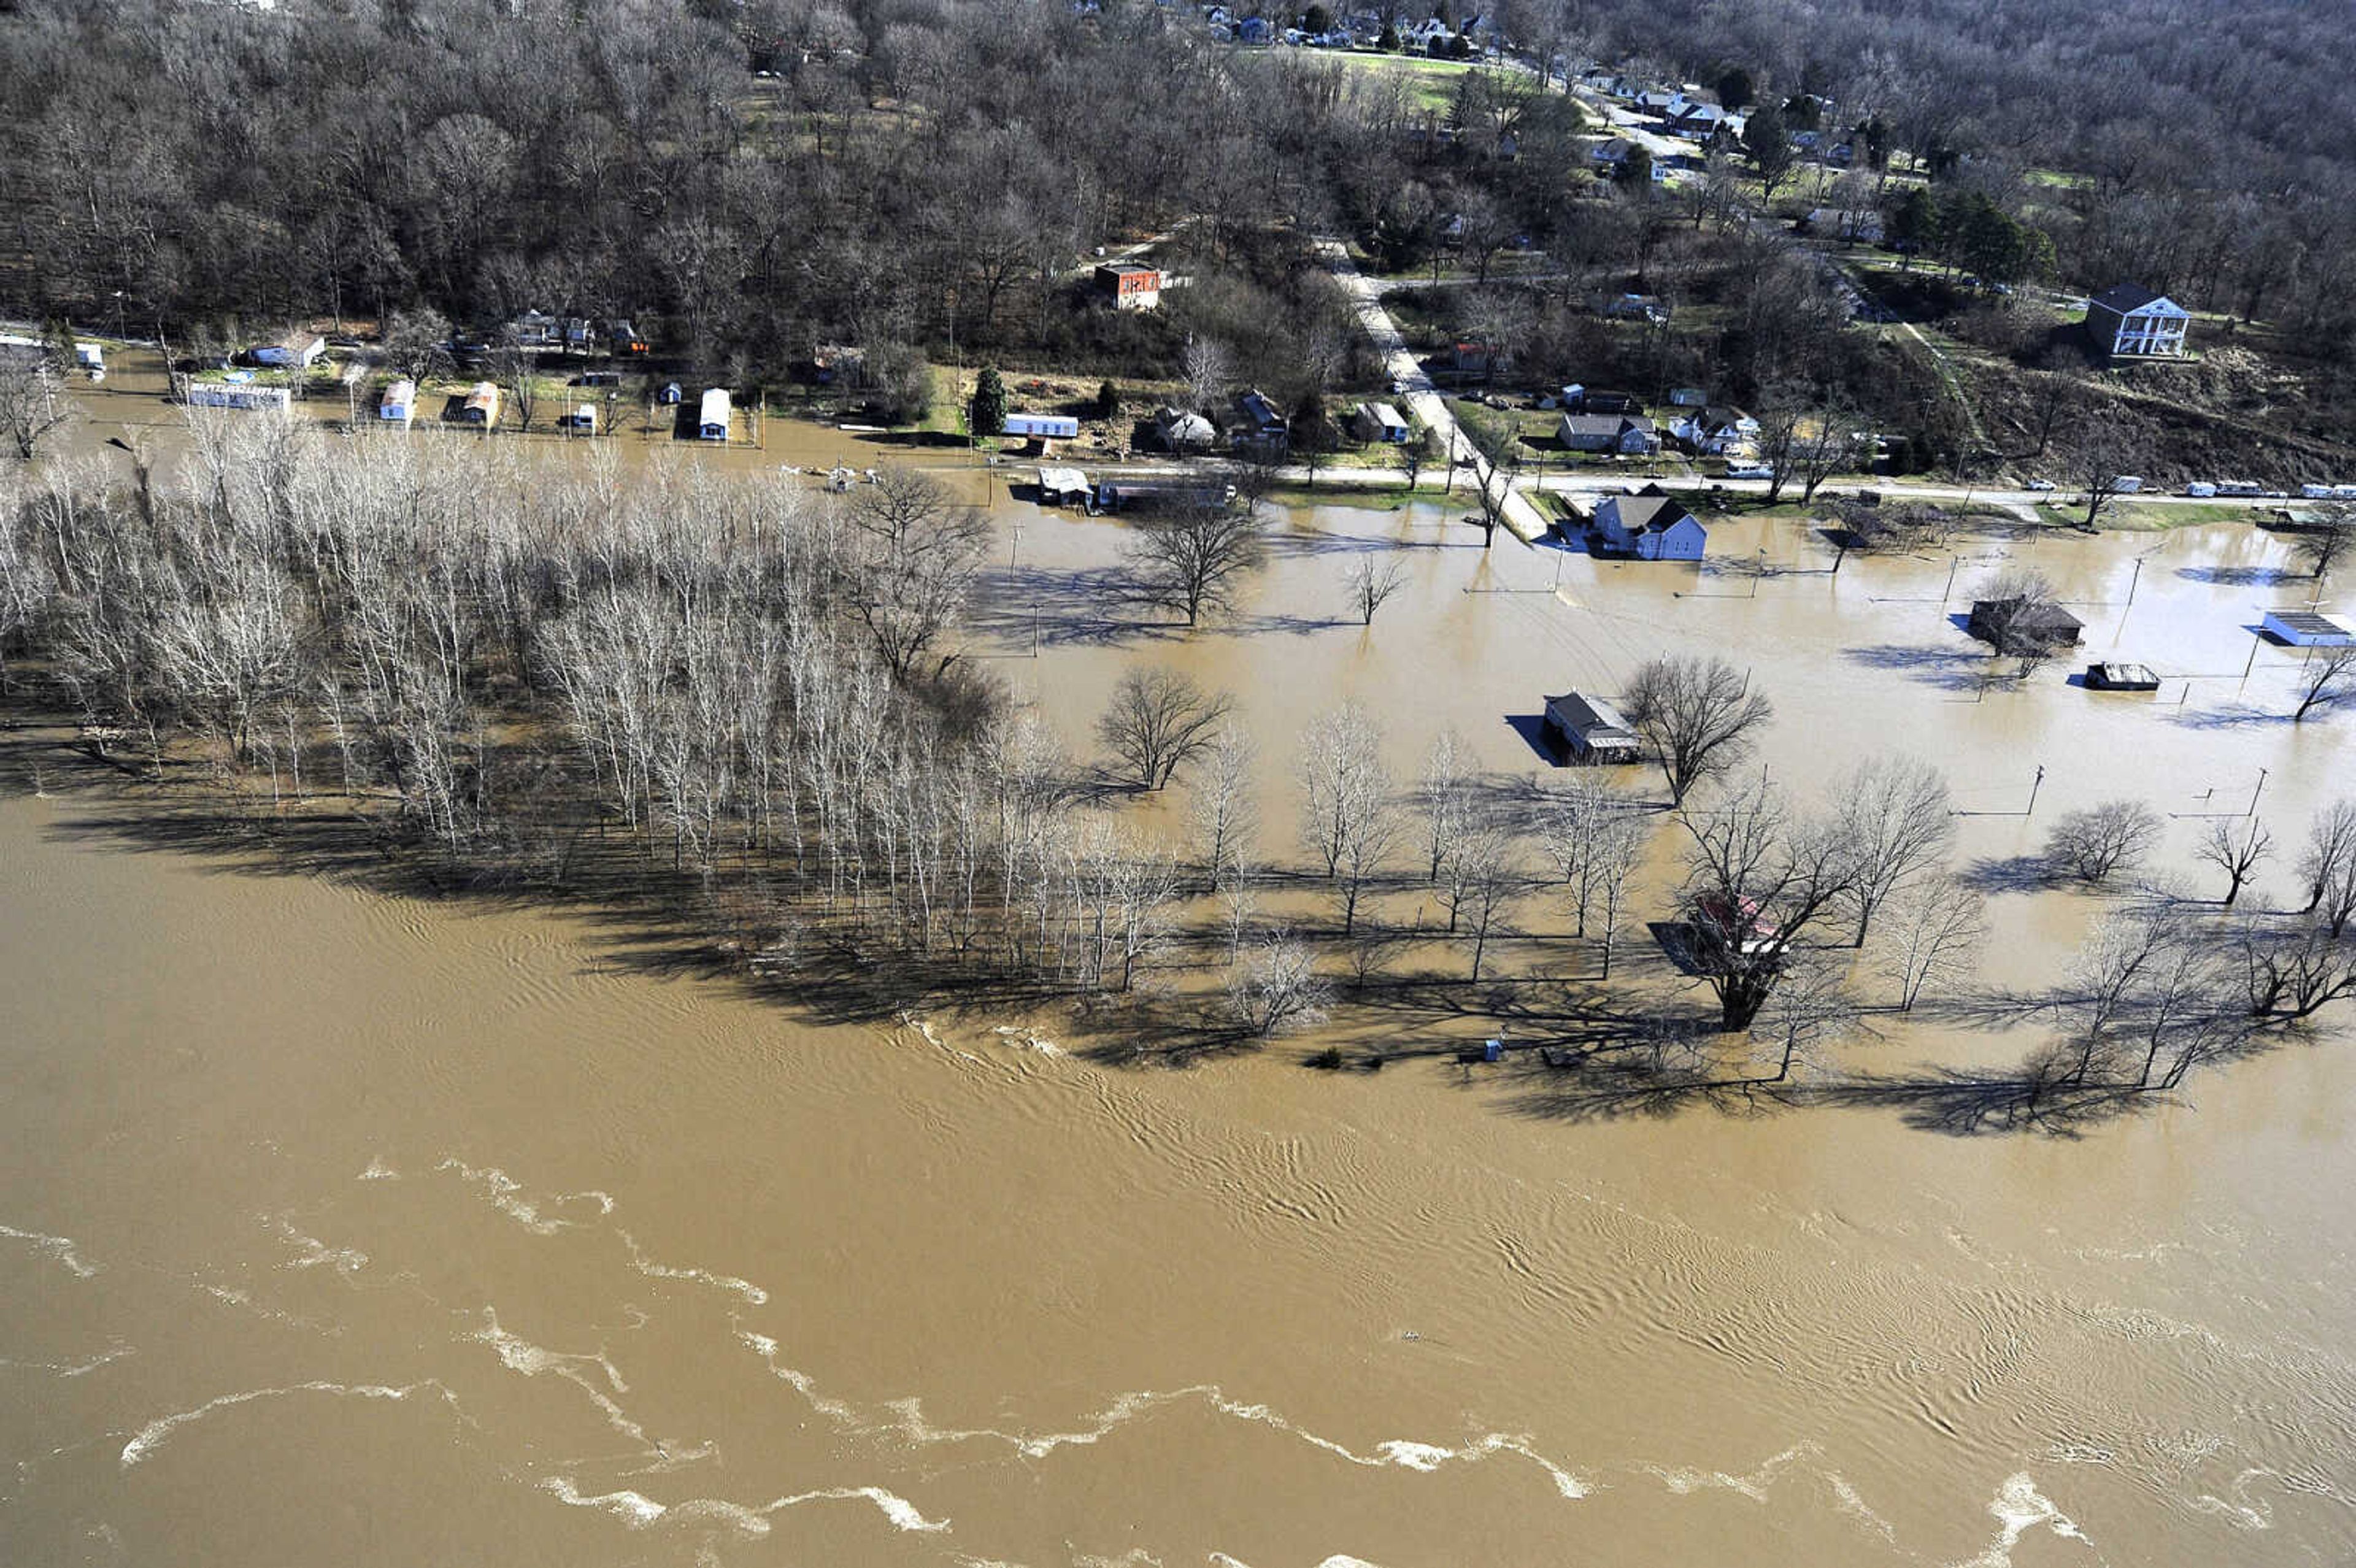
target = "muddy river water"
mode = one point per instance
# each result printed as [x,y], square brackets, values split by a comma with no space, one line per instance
[336,1227]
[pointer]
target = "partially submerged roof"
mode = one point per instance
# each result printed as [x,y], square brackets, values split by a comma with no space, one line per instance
[1650,513]
[2309,623]
[1061,481]
[1589,717]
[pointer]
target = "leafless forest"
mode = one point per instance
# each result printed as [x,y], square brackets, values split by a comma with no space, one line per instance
[748,714]
[920,176]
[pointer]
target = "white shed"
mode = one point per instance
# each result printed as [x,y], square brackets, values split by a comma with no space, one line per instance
[711,422]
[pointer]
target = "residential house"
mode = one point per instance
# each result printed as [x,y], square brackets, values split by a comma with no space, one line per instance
[1697,121]
[1629,436]
[1859,226]
[1655,102]
[1182,432]
[533,329]
[1714,432]
[299,352]
[1650,526]
[1064,487]
[2012,625]
[1472,359]
[1688,398]
[1579,399]
[2132,320]
[1588,730]
[1130,285]
[399,404]
[581,421]
[1260,424]
[714,416]
[576,334]
[1423,35]
[1378,422]
[1610,157]
[236,395]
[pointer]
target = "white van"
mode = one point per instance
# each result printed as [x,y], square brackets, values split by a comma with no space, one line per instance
[1749,471]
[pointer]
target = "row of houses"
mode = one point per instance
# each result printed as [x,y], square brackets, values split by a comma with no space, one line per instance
[577,334]
[397,405]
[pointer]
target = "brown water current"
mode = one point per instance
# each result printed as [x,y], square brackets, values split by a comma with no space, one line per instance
[339,1227]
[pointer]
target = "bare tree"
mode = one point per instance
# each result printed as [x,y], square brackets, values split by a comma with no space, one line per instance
[1209,370]
[2107,450]
[2236,850]
[1756,881]
[1222,805]
[1826,446]
[2095,843]
[1937,927]
[1372,584]
[1481,883]
[2325,681]
[2326,543]
[1699,715]
[1596,838]
[2292,974]
[1158,721]
[1810,1007]
[1348,820]
[517,370]
[1446,794]
[2330,852]
[1280,990]
[32,398]
[2017,615]
[1895,813]
[915,558]
[1193,559]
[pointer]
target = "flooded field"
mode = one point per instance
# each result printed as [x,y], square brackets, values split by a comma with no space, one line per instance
[342,1227]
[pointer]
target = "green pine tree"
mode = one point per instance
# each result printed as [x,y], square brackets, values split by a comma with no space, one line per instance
[987,413]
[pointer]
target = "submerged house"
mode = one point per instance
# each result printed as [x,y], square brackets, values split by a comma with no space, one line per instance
[1588,730]
[399,404]
[2017,625]
[2308,629]
[482,406]
[1649,526]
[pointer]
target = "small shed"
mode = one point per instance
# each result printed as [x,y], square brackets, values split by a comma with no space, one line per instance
[482,406]
[91,358]
[1378,422]
[671,397]
[1130,285]
[1045,427]
[399,404]
[1063,487]
[712,419]
[2308,629]
[2006,624]
[1588,729]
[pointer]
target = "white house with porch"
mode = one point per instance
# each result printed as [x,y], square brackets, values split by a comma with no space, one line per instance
[2130,321]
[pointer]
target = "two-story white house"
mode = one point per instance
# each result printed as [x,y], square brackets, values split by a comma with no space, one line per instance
[2133,322]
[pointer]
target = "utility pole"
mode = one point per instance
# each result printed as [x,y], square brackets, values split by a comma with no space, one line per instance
[1949,591]
[2256,792]
[2035,784]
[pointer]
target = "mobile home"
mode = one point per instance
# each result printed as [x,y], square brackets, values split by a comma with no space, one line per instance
[581,421]
[238,395]
[711,422]
[1047,427]
[482,406]
[399,404]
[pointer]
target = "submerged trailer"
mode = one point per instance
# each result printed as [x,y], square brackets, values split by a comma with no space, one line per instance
[712,421]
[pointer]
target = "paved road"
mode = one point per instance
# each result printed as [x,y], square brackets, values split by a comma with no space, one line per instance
[1514,508]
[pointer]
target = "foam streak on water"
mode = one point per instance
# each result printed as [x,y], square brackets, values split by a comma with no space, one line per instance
[61,1248]
[151,1436]
[639,1510]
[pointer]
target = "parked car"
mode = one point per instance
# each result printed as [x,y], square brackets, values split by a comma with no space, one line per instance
[2040,484]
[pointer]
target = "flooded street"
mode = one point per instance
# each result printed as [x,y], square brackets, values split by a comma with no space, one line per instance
[343,1227]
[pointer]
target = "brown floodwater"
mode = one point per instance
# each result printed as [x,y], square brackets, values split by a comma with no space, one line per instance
[344,1227]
